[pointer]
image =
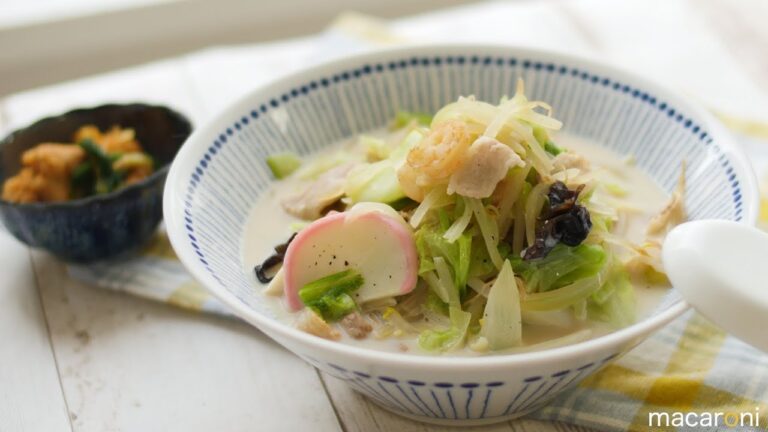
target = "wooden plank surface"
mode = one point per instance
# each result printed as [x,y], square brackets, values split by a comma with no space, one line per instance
[127,364]
[31,398]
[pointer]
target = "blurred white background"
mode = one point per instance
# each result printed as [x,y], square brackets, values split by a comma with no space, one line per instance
[47,41]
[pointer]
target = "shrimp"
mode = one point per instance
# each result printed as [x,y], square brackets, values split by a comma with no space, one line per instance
[407,176]
[441,152]
[435,158]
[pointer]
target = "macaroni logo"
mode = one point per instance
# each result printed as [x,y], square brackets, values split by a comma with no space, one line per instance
[707,419]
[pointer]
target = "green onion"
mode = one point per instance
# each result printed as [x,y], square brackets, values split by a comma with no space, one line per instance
[334,308]
[329,296]
[551,148]
[542,137]
[82,180]
[107,179]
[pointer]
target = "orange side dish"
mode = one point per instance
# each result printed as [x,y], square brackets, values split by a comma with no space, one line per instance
[95,162]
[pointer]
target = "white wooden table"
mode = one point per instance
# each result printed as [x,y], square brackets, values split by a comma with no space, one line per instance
[78,358]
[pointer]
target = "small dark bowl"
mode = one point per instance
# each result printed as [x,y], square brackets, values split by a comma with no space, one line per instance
[99,226]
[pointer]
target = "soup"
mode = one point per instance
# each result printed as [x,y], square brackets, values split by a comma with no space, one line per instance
[481,230]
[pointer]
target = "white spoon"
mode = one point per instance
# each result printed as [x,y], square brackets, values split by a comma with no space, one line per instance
[721,269]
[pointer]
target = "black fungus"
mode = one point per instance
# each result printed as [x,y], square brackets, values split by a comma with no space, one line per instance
[337,206]
[272,261]
[562,221]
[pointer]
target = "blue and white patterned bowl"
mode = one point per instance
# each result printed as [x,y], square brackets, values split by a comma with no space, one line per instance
[220,172]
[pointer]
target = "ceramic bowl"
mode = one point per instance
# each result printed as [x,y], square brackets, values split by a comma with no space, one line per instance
[100,226]
[220,172]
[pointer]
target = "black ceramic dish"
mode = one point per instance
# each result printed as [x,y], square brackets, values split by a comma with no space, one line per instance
[99,226]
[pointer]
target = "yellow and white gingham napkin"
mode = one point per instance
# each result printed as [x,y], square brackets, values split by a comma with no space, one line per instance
[155,273]
[690,366]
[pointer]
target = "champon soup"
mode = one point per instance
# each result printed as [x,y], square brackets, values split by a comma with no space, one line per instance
[480,229]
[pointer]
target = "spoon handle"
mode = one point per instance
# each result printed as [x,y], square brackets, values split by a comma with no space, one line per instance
[721,269]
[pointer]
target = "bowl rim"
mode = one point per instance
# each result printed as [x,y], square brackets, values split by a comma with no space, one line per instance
[157,174]
[197,142]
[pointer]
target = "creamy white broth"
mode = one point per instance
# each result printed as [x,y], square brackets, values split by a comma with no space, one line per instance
[269,225]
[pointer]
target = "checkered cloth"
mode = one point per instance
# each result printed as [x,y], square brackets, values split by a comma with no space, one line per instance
[155,274]
[689,366]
